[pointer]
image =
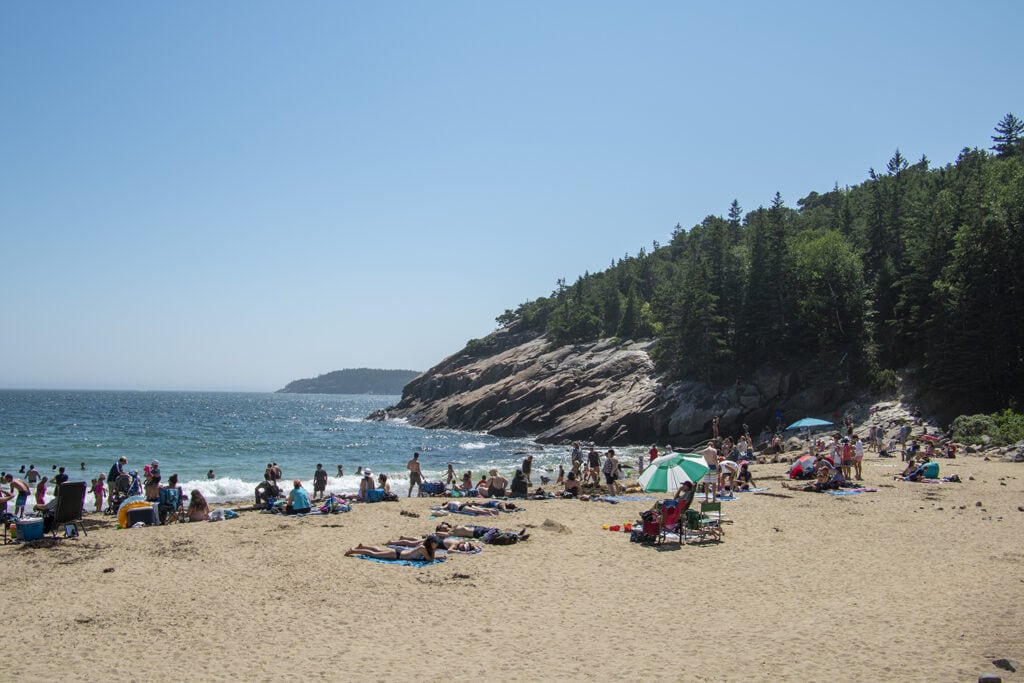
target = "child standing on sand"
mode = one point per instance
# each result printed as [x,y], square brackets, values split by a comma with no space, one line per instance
[98,490]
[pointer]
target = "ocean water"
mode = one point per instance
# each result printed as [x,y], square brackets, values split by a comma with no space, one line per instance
[236,435]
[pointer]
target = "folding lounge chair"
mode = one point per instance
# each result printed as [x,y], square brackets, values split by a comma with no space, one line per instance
[169,506]
[705,523]
[70,501]
[711,519]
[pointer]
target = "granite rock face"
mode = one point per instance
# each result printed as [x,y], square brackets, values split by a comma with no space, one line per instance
[604,392]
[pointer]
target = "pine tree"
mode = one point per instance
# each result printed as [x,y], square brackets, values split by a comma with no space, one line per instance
[1010,138]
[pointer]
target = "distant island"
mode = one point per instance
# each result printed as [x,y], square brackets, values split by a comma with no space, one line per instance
[353,381]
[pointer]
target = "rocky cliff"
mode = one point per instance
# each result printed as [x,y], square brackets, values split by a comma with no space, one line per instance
[607,392]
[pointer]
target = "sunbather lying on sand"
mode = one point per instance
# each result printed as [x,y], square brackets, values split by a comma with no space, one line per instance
[444,529]
[420,552]
[453,506]
[453,543]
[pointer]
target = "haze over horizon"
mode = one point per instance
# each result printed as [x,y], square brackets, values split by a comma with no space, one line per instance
[239,195]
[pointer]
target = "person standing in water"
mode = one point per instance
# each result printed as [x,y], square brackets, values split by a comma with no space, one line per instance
[319,481]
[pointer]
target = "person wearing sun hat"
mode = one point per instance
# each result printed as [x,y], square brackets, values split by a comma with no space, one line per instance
[366,484]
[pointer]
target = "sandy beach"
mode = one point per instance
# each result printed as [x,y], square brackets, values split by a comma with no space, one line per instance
[912,582]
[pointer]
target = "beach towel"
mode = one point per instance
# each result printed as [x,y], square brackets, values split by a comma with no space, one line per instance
[336,510]
[474,551]
[440,510]
[849,492]
[438,559]
[616,499]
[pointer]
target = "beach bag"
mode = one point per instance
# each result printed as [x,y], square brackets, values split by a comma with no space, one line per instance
[496,537]
[931,470]
[432,488]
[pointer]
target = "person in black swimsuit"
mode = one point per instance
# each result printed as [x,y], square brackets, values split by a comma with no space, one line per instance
[421,552]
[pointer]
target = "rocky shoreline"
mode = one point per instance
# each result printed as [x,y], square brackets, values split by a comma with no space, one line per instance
[607,392]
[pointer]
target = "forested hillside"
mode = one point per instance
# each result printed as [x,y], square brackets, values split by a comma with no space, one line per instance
[353,381]
[916,267]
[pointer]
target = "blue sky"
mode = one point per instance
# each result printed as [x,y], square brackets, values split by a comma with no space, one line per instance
[233,195]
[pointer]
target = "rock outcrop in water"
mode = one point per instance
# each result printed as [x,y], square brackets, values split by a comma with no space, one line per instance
[608,392]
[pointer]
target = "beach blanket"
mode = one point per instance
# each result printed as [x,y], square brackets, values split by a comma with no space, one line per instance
[849,492]
[732,495]
[442,511]
[616,499]
[340,508]
[439,511]
[438,559]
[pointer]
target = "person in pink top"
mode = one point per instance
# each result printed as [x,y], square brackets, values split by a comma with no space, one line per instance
[98,490]
[41,491]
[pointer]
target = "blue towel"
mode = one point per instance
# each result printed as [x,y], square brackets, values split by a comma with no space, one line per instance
[405,563]
[848,492]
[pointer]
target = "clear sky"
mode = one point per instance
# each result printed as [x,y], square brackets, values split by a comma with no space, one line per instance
[232,195]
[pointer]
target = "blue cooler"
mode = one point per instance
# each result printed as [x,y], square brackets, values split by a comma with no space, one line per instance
[30,529]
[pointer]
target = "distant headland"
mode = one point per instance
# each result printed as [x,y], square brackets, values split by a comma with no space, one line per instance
[353,381]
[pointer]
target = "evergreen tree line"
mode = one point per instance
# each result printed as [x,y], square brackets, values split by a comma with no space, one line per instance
[914,268]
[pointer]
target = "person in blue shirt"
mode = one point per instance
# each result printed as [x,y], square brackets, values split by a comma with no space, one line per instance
[298,500]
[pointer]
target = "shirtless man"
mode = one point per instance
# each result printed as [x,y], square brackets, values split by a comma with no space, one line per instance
[415,474]
[21,489]
[32,476]
[444,529]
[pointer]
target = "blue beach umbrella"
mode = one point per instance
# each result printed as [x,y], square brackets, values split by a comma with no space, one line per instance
[808,422]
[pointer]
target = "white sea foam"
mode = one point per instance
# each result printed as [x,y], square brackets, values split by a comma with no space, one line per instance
[473,445]
[225,489]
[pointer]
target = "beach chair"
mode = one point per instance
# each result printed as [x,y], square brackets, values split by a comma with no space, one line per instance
[651,526]
[169,506]
[669,522]
[693,526]
[70,502]
[431,489]
[711,520]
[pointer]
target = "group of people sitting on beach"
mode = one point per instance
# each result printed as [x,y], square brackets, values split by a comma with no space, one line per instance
[826,477]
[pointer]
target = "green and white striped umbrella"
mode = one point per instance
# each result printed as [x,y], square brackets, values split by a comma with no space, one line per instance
[668,472]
